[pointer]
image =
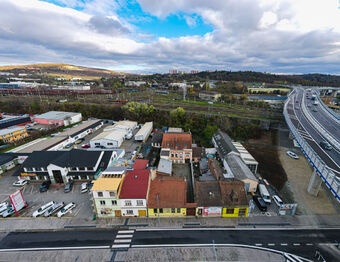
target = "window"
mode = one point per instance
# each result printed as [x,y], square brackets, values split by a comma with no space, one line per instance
[172,155]
[114,202]
[173,210]
[161,210]
[176,154]
[111,144]
[100,194]
[129,212]
[178,210]
[139,202]
[97,144]
[128,203]
[82,168]
[242,212]
[181,155]
[155,210]
[112,194]
[230,211]
[102,202]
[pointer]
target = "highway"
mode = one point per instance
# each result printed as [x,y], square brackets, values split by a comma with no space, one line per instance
[301,242]
[312,135]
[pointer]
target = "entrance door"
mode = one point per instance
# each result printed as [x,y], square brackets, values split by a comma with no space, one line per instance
[118,213]
[57,176]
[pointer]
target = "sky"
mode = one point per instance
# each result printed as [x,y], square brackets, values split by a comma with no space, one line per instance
[149,36]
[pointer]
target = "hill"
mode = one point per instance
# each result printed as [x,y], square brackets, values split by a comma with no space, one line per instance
[61,70]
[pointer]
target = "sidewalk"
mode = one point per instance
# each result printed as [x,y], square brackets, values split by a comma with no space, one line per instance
[27,224]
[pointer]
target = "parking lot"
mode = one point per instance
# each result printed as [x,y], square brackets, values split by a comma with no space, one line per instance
[35,199]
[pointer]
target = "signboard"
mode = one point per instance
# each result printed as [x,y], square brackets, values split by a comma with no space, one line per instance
[287,209]
[212,211]
[21,159]
[28,174]
[17,201]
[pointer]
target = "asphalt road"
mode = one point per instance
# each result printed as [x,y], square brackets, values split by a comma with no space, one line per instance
[311,134]
[301,242]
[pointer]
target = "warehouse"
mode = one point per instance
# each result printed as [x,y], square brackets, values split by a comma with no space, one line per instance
[58,118]
[125,125]
[144,132]
[109,139]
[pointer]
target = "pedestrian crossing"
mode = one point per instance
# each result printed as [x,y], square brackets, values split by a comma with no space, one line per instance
[123,239]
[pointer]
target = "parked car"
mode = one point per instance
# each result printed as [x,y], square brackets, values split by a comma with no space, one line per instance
[84,188]
[56,207]
[20,182]
[43,209]
[45,186]
[292,154]
[260,203]
[128,135]
[325,145]
[66,209]
[69,145]
[100,146]
[278,201]
[3,206]
[8,212]
[86,146]
[264,194]
[68,187]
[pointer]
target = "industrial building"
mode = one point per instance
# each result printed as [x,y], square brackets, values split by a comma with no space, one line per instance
[209,95]
[144,132]
[109,139]
[58,118]
[10,120]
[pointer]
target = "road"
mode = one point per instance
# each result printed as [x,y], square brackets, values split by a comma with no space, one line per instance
[301,242]
[313,136]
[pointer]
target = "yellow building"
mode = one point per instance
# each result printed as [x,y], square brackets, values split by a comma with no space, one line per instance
[10,135]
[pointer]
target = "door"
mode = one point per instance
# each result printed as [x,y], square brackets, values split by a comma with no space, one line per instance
[191,211]
[118,213]
[142,213]
[57,176]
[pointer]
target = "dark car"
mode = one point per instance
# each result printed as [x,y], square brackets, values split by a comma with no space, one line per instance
[102,147]
[45,186]
[69,145]
[260,203]
[68,186]
[325,145]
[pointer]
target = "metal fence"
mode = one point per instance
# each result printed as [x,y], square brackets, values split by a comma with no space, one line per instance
[330,179]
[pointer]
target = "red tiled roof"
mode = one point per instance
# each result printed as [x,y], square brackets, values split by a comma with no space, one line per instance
[140,164]
[177,141]
[171,192]
[135,184]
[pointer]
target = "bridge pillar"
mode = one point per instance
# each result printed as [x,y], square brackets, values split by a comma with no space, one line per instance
[314,184]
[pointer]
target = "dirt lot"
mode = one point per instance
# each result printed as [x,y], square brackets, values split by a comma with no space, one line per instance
[299,173]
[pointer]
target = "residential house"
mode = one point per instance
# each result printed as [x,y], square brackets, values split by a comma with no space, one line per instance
[177,147]
[13,134]
[168,198]
[105,197]
[134,193]
[7,162]
[140,164]
[198,153]
[208,198]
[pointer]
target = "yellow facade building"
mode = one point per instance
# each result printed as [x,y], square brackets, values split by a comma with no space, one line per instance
[10,135]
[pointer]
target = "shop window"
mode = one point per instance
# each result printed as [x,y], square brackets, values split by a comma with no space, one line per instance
[178,210]
[242,211]
[129,212]
[230,210]
[155,210]
[173,210]
[161,210]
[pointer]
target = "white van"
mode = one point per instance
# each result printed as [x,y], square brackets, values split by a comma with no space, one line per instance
[42,209]
[84,188]
[265,194]
[66,209]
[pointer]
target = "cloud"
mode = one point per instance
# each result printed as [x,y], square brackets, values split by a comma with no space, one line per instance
[107,25]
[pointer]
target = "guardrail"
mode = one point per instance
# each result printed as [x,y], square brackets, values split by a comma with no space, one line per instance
[330,179]
[330,111]
[324,132]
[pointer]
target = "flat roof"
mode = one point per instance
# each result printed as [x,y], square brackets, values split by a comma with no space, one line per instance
[10,130]
[106,184]
[114,134]
[165,166]
[56,115]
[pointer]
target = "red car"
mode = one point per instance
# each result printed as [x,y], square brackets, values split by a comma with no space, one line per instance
[85,146]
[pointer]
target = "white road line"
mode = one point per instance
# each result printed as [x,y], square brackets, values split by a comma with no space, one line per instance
[51,248]
[236,229]
[284,244]
[259,244]
[123,240]
[271,244]
[296,244]
[124,236]
[309,244]
[125,231]
[120,246]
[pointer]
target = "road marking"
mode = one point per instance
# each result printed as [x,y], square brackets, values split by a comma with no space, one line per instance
[120,246]
[123,240]
[284,244]
[125,231]
[296,244]
[271,244]
[309,244]
[236,229]
[51,248]
[259,244]
[124,236]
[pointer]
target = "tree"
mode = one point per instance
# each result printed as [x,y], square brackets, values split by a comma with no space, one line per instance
[177,117]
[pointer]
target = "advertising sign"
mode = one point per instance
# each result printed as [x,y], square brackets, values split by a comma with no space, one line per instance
[17,201]
[212,211]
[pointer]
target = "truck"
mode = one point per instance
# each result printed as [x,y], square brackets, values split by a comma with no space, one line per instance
[265,194]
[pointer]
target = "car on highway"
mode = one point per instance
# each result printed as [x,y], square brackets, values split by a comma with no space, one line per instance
[56,207]
[260,203]
[43,209]
[292,154]
[20,182]
[86,146]
[325,145]
[277,200]
[66,209]
[45,186]
[8,212]
[68,187]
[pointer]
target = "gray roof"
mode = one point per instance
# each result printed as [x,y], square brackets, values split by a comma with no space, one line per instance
[165,166]
[157,137]
[5,158]
[224,143]
[56,115]
[239,169]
